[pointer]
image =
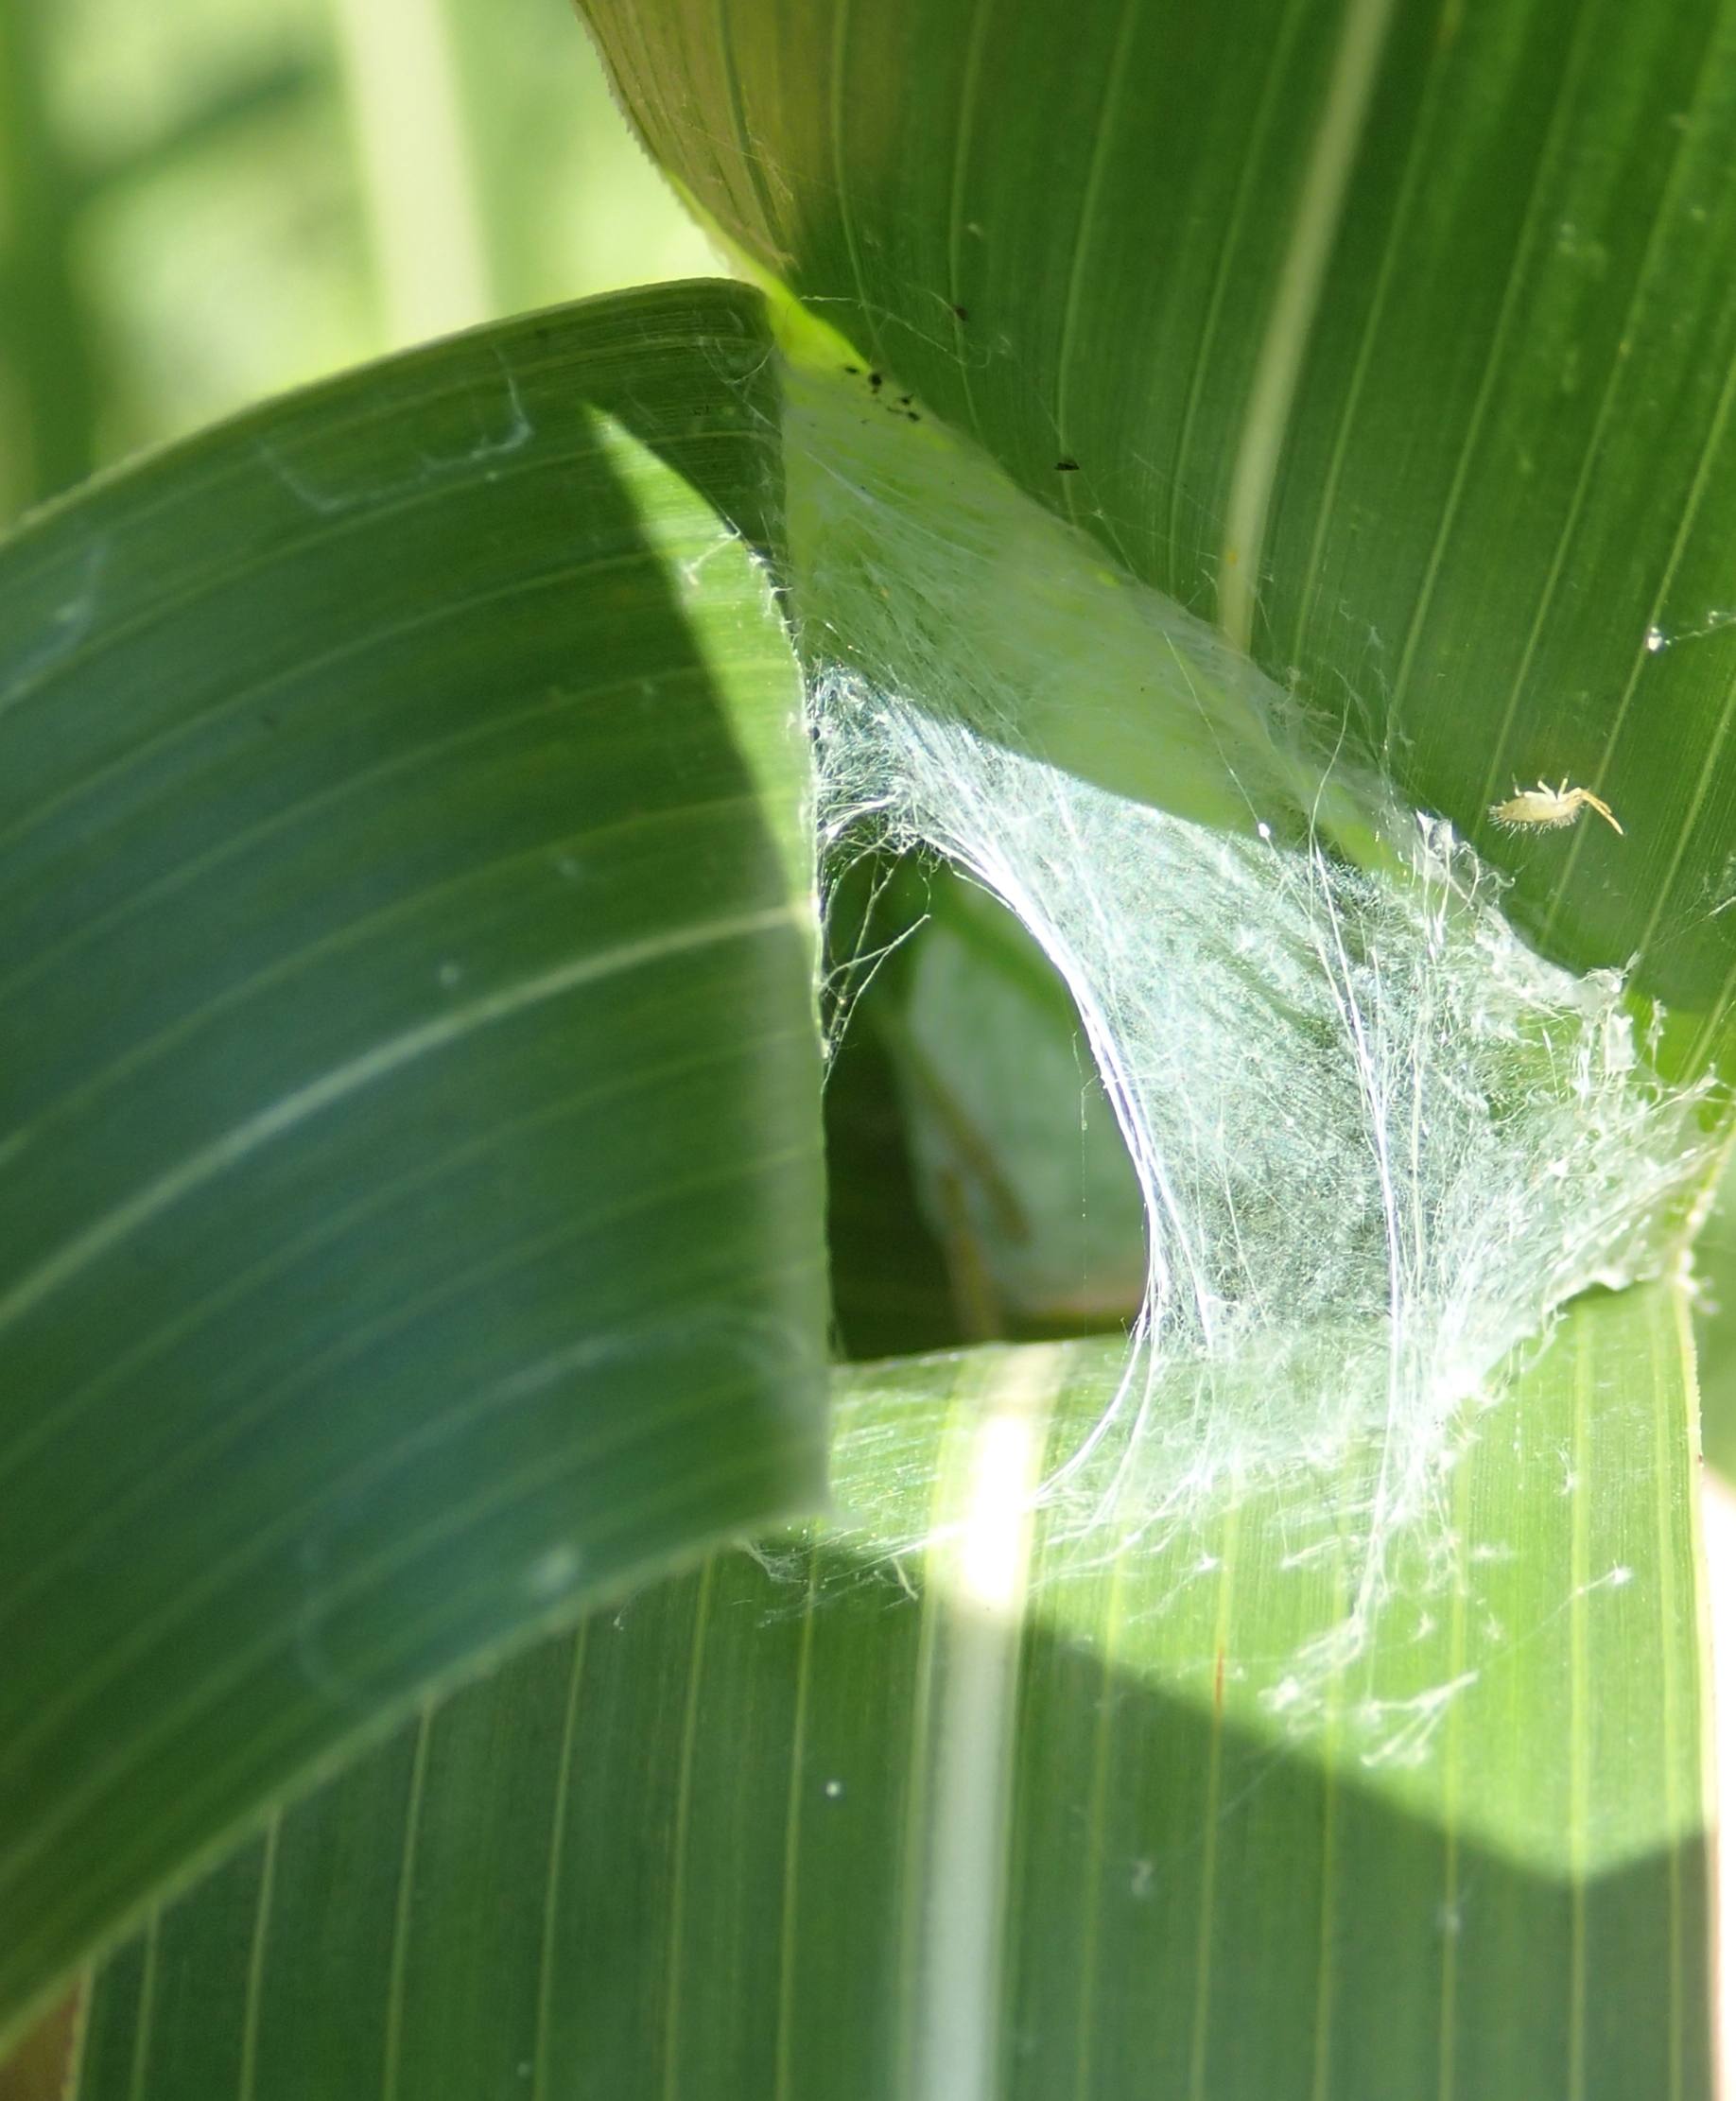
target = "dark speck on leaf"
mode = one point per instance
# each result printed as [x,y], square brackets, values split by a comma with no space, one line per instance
[1067,466]
[959,314]
[877,380]
[913,416]
[852,370]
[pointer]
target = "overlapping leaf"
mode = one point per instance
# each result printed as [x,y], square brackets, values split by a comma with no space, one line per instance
[410,1109]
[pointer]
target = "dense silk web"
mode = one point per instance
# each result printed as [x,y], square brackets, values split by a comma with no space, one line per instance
[1379,1140]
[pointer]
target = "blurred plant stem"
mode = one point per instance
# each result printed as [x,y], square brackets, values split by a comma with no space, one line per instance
[47,428]
[416,163]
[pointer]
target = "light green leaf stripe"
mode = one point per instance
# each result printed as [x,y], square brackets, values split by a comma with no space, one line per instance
[705,1850]
[410,1203]
[1338,138]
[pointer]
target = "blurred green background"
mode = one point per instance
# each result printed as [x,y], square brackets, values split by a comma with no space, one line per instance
[202,202]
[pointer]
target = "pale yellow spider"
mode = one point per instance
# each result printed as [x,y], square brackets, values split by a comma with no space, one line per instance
[1546,808]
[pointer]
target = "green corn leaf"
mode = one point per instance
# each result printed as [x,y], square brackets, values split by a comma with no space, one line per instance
[934,1802]
[409,1114]
[1401,340]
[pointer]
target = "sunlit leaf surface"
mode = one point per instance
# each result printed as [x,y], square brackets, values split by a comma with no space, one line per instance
[937,1801]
